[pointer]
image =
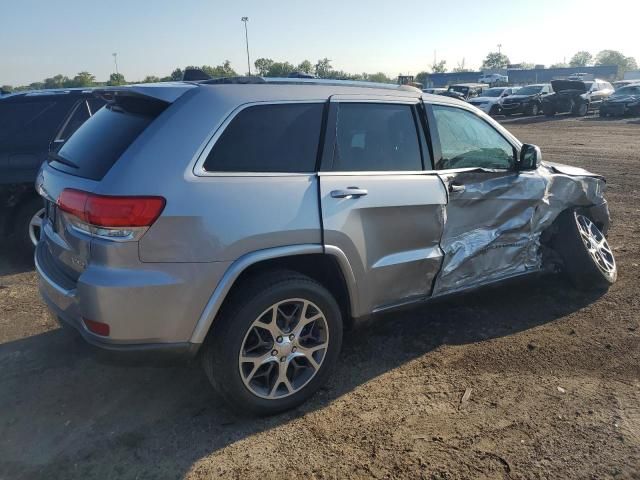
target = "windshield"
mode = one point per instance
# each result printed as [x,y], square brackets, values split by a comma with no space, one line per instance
[532,90]
[459,89]
[633,90]
[493,92]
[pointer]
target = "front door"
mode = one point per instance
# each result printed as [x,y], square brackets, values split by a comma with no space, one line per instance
[379,206]
[487,234]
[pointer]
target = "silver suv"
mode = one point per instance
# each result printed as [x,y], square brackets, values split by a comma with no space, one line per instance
[249,220]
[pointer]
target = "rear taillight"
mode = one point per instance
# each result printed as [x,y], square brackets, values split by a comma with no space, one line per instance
[113,217]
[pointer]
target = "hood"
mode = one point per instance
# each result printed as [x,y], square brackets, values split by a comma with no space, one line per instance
[566,85]
[451,93]
[519,98]
[485,99]
[623,99]
[569,170]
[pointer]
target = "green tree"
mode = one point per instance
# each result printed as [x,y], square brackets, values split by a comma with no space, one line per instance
[581,59]
[116,79]
[280,69]
[422,77]
[613,57]
[379,77]
[305,66]
[559,65]
[57,81]
[262,66]
[82,79]
[223,70]
[6,89]
[323,68]
[176,75]
[439,67]
[460,68]
[527,66]
[153,79]
[495,60]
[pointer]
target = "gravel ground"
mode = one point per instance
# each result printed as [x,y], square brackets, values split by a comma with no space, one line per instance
[551,375]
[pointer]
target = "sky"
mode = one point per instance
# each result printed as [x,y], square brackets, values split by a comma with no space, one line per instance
[43,38]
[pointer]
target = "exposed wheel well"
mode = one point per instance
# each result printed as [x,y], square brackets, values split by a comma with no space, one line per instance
[322,268]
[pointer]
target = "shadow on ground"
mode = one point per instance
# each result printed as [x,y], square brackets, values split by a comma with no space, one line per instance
[66,413]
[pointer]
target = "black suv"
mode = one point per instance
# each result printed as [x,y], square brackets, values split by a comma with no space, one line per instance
[576,96]
[32,124]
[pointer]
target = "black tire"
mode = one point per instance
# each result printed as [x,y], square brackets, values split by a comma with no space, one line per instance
[533,110]
[579,265]
[549,111]
[24,245]
[220,356]
[603,113]
[581,109]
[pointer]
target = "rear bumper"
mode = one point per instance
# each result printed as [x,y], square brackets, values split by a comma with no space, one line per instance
[62,298]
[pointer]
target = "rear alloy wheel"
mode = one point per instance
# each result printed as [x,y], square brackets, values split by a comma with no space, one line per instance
[35,225]
[582,109]
[275,343]
[588,258]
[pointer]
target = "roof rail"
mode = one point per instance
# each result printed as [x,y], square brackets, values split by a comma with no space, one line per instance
[308,81]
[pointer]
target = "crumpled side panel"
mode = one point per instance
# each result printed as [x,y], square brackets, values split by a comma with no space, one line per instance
[493,228]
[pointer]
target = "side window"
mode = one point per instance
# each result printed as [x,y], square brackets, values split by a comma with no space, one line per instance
[376,137]
[269,138]
[466,140]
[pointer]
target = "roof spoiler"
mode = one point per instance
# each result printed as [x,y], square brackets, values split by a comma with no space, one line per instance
[194,75]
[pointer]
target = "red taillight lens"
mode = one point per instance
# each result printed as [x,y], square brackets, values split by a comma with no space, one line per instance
[111,211]
[97,327]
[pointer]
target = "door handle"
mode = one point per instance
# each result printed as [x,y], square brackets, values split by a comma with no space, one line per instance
[456,188]
[350,192]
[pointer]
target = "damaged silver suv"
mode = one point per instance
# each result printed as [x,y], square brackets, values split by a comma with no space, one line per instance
[248,220]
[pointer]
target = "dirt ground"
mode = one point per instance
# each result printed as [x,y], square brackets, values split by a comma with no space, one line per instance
[553,376]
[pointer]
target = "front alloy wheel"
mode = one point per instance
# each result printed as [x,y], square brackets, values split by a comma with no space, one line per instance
[284,348]
[596,244]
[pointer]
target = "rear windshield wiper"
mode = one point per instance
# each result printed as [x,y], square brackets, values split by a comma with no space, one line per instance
[60,159]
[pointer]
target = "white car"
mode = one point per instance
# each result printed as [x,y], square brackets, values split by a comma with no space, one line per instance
[491,100]
[492,78]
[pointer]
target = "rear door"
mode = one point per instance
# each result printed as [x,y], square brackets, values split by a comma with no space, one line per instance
[487,233]
[379,207]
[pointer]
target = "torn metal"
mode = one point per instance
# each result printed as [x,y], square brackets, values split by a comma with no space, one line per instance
[513,209]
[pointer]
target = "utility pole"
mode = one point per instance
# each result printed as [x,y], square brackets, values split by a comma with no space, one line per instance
[246,38]
[499,48]
[115,60]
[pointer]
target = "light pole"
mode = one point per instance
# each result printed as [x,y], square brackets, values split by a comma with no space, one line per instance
[499,48]
[115,60]
[246,38]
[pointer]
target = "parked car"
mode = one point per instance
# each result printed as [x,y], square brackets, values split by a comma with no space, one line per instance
[527,100]
[623,101]
[577,97]
[490,101]
[434,91]
[248,223]
[624,83]
[29,123]
[465,91]
[580,76]
[492,78]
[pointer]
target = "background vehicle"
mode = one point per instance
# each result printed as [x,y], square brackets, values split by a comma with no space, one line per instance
[527,100]
[29,123]
[490,101]
[624,83]
[625,100]
[279,210]
[576,96]
[434,91]
[465,91]
[492,78]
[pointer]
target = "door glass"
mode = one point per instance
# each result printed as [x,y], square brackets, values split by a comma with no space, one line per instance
[466,140]
[376,137]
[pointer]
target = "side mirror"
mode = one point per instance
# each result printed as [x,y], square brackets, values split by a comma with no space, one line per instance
[530,157]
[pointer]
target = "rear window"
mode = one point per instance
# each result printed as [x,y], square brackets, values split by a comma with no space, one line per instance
[96,146]
[269,138]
